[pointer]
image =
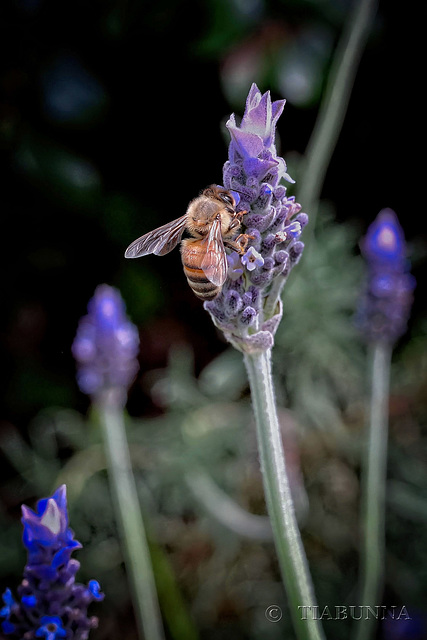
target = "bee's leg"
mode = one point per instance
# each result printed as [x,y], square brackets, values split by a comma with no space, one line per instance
[239,244]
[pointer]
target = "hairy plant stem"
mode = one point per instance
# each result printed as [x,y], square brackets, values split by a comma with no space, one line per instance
[374,471]
[289,547]
[129,518]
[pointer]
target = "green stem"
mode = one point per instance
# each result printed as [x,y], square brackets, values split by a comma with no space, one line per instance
[129,518]
[289,547]
[374,471]
[334,105]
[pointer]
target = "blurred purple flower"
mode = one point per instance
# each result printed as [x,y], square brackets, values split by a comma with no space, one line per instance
[386,303]
[50,603]
[248,310]
[106,345]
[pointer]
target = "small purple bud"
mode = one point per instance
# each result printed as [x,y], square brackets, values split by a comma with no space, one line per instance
[252,297]
[235,269]
[295,251]
[293,230]
[216,309]
[268,243]
[280,218]
[232,303]
[268,264]
[280,192]
[302,218]
[248,316]
[255,237]
[260,278]
[281,257]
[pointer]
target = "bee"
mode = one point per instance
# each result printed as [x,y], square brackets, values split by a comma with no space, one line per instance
[212,222]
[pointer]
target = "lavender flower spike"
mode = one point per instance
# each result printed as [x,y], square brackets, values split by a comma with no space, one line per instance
[248,309]
[50,603]
[106,345]
[386,303]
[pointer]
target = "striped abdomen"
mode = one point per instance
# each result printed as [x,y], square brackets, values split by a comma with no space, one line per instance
[192,253]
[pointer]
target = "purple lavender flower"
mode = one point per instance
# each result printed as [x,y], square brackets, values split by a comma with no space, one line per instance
[386,303]
[106,345]
[254,170]
[50,603]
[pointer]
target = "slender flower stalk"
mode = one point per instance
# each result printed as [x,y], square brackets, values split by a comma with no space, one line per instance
[373,487]
[334,103]
[290,550]
[50,603]
[106,348]
[249,309]
[382,316]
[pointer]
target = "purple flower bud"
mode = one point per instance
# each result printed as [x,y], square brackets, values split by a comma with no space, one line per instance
[233,303]
[251,297]
[42,609]
[106,344]
[255,236]
[295,251]
[281,257]
[302,218]
[384,241]
[260,277]
[385,305]
[260,221]
[293,230]
[280,192]
[235,269]
[280,218]
[248,316]
[268,264]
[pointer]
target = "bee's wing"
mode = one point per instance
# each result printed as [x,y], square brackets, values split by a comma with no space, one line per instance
[160,241]
[214,264]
